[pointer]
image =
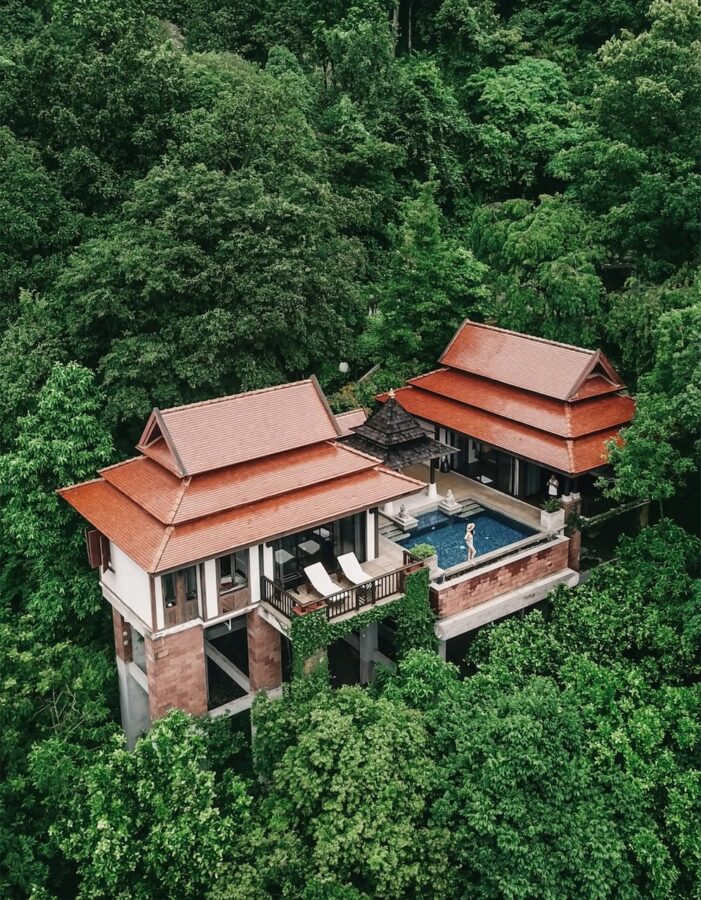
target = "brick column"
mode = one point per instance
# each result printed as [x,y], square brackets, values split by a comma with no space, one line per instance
[573,503]
[122,636]
[177,673]
[264,653]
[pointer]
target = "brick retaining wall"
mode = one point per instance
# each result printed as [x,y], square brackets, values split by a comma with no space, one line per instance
[460,595]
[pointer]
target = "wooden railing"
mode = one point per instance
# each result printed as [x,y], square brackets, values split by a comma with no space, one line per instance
[277,597]
[347,600]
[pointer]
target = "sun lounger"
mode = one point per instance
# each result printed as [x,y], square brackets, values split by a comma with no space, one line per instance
[321,581]
[352,569]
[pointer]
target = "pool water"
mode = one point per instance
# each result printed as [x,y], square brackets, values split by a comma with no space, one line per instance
[447,534]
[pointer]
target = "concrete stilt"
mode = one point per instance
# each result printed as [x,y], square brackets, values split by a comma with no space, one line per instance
[133,704]
[367,648]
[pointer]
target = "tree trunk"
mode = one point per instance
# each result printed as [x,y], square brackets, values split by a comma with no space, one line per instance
[411,5]
[395,26]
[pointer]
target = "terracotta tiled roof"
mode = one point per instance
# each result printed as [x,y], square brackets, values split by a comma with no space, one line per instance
[133,530]
[157,547]
[556,417]
[566,455]
[533,364]
[284,515]
[230,430]
[349,420]
[173,500]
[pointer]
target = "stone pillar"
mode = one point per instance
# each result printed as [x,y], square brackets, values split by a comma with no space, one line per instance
[572,503]
[367,645]
[264,653]
[443,649]
[177,672]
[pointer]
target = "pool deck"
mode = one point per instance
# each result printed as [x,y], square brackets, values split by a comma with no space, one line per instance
[468,489]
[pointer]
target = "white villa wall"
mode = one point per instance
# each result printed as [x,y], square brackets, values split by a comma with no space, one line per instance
[129,583]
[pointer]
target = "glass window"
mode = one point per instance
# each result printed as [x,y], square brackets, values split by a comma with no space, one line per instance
[169,589]
[233,571]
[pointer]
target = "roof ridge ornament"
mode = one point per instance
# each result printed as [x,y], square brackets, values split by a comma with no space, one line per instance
[391,394]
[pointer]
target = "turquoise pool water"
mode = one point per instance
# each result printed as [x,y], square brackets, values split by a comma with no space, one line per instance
[447,534]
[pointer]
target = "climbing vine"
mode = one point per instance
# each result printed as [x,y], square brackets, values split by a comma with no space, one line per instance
[313,632]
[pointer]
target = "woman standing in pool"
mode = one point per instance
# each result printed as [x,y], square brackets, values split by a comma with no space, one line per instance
[470,541]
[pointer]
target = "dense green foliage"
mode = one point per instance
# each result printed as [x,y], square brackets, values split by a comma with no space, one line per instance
[204,196]
[566,764]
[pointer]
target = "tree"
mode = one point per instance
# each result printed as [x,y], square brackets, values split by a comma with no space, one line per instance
[138,823]
[37,225]
[661,445]
[60,442]
[54,695]
[543,260]
[525,115]
[348,779]
[434,282]
[639,166]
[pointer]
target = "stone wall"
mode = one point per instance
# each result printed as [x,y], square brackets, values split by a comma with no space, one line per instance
[177,675]
[264,653]
[494,580]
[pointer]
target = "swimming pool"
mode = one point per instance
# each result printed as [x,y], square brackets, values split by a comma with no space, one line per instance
[447,534]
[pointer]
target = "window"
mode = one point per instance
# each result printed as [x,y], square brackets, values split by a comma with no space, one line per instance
[233,571]
[98,550]
[180,586]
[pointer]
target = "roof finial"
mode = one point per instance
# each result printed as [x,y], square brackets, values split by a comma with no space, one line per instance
[391,394]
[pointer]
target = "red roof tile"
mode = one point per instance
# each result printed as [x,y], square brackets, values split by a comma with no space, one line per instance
[545,413]
[566,455]
[157,547]
[231,430]
[284,515]
[173,500]
[533,364]
[351,419]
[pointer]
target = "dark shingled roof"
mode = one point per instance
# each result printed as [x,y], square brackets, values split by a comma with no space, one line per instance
[394,436]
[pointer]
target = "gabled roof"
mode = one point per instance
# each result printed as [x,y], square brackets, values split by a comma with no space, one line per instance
[217,433]
[158,547]
[174,500]
[567,455]
[530,363]
[348,420]
[558,417]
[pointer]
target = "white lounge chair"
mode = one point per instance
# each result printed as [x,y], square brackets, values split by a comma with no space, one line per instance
[352,569]
[321,580]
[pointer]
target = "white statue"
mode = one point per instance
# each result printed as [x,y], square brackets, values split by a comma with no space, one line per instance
[470,541]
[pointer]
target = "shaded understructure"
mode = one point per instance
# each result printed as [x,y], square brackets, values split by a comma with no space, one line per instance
[394,436]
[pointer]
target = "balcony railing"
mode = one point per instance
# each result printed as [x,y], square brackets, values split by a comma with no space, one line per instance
[346,600]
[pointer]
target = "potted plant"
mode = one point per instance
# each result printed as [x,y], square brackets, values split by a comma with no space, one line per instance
[552,515]
[427,553]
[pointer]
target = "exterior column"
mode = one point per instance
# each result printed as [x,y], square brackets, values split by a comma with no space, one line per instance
[432,490]
[264,653]
[573,503]
[133,700]
[177,672]
[367,646]
[443,649]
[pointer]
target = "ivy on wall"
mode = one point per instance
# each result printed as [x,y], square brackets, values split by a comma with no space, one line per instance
[312,632]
